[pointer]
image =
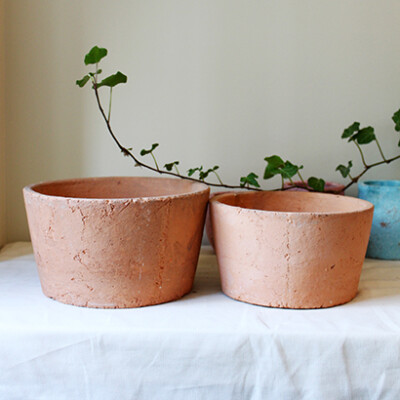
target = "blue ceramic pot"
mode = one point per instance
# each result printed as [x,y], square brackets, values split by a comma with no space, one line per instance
[384,241]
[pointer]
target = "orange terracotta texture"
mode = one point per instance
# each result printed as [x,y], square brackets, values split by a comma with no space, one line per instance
[116,242]
[290,249]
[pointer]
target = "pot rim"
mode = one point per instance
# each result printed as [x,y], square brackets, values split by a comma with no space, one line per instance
[386,183]
[201,188]
[364,205]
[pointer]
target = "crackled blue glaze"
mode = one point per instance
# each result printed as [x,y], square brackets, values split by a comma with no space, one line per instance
[384,241]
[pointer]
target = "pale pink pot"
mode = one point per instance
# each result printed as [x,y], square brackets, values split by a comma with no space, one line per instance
[116,242]
[290,249]
[337,188]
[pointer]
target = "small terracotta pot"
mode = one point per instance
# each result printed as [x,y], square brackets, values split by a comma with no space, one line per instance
[338,188]
[329,186]
[116,242]
[290,249]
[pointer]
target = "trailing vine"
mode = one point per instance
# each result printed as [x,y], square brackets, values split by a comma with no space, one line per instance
[276,166]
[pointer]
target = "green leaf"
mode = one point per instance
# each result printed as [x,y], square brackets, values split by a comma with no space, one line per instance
[99,71]
[250,179]
[353,128]
[289,170]
[365,135]
[169,166]
[143,152]
[191,171]
[95,55]
[203,174]
[344,170]
[274,161]
[273,165]
[396,120]
[316,184]
[113,80]
[82,82]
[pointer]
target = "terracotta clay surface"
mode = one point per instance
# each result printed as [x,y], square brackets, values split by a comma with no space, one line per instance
[116,242]
[208,224]
[290,249]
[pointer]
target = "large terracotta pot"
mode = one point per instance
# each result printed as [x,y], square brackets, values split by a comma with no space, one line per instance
[116,242]
[290,249]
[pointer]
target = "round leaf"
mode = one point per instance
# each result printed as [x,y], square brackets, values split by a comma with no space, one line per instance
[113,80]
[82,82]
[95,55]
[396,120]
[316,184]
[365,135]
[353,128]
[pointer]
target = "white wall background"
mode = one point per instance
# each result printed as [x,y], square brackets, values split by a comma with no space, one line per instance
[223,82]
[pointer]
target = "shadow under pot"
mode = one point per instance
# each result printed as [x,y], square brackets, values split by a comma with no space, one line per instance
[290,249]
[116,242]
[384,242]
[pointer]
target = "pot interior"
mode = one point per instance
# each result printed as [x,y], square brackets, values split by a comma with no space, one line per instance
[296,202]
[118,187]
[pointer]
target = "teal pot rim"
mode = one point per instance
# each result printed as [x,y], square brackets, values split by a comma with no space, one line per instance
[387,183]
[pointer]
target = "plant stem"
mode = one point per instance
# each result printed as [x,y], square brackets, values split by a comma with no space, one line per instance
[368,167]
[218,177]
[361,153]
[380,148]
[301,178]
[155,161]
[176,169]
[139,163]
[109,106]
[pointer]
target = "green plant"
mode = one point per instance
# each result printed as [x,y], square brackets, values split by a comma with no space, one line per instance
[276,166]
[360,137]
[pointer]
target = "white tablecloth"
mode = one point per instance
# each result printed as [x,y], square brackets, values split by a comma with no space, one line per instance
[204,346]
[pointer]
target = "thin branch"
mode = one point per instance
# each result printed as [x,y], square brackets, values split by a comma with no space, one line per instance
[368,167]
[139,163]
